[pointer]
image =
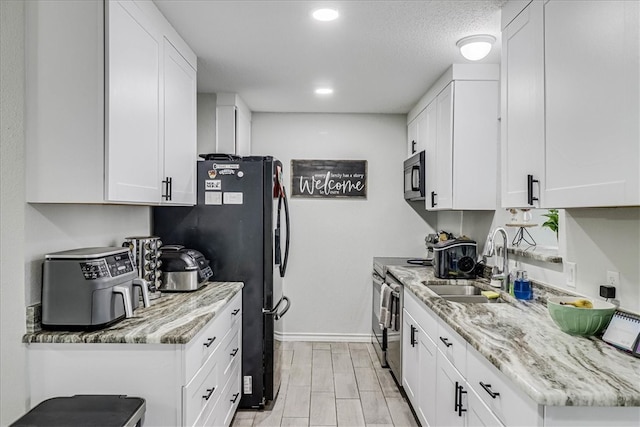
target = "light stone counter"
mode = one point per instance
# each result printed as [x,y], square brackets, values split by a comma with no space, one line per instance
[174,318]
[521,340]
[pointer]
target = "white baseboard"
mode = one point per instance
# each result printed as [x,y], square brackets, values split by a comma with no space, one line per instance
[318,337]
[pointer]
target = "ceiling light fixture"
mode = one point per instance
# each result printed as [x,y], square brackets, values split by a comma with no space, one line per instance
[324,91]
[325,14]
[475,48]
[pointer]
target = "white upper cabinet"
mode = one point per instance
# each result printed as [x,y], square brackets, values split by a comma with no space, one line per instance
[570,105]
[133,52]
[233,125]
[412,137]
[458,128]
[592,116]
[110,105]
[522,119]
[180,139]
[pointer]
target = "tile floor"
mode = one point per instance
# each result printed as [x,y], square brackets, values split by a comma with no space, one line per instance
[332,384]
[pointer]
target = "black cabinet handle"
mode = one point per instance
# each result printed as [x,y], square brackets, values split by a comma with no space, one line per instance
[446,342]
[530,181]
[487,388]
[236,311]
[413,146]
[459,392]
[433,199]
[209,342]
[413,335]
[169,188]
[209,393]
[235,397]
[234,352]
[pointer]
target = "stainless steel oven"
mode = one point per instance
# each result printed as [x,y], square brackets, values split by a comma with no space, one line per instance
[394,334]
[379,335]
[388,341]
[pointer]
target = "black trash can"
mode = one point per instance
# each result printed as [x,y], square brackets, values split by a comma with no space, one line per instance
[93,410]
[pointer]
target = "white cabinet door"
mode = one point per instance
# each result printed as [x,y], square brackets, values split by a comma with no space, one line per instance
[133,152]
[443,194]
[451,398]
[592,60]
[180,142]
[522,121]
[410,368]
[478,415]
[412,137]
[427,380]
[431,174]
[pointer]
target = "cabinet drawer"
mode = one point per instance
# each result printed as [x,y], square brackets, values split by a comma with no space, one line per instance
[452,346]
[508,403]
[422,314]
[225,407]
[202,346]
[231,352]
[202,392]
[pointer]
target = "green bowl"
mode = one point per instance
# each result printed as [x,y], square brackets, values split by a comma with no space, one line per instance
[580,321]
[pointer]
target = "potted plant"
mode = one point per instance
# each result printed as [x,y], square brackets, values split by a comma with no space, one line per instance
[552,221]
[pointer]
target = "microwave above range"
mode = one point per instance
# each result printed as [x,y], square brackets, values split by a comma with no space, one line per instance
[414,177]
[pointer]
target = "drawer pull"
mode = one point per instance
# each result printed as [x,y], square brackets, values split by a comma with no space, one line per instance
[235,397]
[487,388]
[235,351]
[413,336]
[446,342]
[209,393]
[209,342]
[236,311]
[459,392]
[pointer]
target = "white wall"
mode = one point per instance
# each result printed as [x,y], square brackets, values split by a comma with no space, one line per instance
[333,241]
[13,369]
[53,228]
[597,240]
[30,231]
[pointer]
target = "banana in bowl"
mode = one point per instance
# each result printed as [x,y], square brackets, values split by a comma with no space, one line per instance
[580,316]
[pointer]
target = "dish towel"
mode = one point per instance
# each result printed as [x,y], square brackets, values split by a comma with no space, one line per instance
[395,307]
[385,306]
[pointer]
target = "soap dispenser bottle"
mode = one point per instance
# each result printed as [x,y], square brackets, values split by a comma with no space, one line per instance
[522,286]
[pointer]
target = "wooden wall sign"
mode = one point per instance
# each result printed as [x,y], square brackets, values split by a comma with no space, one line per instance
[329,178]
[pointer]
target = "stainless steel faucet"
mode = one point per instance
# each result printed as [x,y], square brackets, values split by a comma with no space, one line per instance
[504,274]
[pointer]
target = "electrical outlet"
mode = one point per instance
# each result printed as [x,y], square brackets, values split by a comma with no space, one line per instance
[570,274]
[613,278]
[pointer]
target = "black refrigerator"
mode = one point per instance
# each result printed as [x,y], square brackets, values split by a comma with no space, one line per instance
[241,225]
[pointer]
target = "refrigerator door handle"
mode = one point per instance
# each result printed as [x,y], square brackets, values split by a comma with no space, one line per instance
[278,316]
[283,198]
[274,310]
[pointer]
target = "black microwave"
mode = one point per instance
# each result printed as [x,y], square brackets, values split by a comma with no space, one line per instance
[414,177]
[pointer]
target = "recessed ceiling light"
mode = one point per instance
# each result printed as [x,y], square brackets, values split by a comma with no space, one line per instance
[325,14]
[475,48]
[324,91]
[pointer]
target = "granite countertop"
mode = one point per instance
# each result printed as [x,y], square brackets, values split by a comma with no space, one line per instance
[521,340]
[174,318]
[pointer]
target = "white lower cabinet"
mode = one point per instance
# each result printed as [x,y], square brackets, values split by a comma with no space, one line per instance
[193,384]
[449,383]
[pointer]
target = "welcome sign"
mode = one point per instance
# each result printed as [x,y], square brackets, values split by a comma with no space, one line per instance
[329,178]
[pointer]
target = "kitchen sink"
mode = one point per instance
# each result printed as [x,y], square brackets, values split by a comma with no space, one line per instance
[471,299]
[467,294]
[455,290]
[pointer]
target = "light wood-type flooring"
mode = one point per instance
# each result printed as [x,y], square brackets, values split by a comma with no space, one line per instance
[332,384]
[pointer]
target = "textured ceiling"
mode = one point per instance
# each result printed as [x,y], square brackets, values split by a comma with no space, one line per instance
[379,56]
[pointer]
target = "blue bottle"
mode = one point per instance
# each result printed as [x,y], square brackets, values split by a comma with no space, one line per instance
[522,286]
